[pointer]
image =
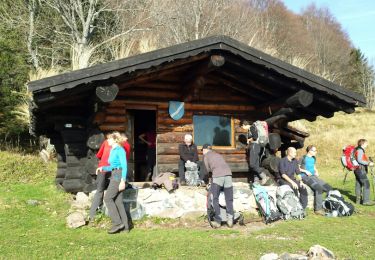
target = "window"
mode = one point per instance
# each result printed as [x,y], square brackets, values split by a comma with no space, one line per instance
[215,130]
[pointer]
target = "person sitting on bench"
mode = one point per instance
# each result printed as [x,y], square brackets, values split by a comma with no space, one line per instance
[309,175]
[189,153]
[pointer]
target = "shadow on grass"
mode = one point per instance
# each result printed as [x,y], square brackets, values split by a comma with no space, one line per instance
[348,194]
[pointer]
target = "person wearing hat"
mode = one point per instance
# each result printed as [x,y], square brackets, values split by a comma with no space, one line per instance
[221,180]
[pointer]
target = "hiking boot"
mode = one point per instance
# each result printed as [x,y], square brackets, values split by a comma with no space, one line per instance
[320,212]
[369,203]
[215,224]
[230,223]
[116,229]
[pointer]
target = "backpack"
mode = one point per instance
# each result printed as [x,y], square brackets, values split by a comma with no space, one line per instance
[259,132]
[288,203]
[191,174]
[266,204]
[348,159]
[336,205]
[167,180]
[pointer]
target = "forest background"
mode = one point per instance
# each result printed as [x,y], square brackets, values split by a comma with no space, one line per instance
[41,38]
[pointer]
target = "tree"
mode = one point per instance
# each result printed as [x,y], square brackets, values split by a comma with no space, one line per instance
[13,76]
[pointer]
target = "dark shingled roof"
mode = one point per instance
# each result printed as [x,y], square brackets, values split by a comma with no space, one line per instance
[189,49]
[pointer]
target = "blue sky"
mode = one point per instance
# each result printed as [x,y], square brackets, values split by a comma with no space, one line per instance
[357,18]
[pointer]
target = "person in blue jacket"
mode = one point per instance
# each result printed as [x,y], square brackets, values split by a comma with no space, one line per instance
[114,197]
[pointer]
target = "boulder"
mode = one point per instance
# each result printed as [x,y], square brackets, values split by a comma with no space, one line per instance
[75,220]
[318,252]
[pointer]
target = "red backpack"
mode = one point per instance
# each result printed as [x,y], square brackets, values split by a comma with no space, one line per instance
[348,159]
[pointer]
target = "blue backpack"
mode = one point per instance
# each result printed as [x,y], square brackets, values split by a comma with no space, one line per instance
[266,204]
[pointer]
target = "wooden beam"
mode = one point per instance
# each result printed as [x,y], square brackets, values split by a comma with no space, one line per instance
[194,79]
[191,88]
[246,90]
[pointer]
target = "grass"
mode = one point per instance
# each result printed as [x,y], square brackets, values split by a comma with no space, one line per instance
[39,231]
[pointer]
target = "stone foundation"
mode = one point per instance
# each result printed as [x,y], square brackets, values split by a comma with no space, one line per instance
[187,200]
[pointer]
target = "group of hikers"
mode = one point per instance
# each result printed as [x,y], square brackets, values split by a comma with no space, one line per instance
[297,174]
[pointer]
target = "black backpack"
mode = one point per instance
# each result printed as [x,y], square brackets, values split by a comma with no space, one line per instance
[335,204]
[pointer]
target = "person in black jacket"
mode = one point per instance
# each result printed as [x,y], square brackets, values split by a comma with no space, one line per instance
[189,153]
[254,153]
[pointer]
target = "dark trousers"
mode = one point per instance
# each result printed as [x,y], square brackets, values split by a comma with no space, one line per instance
[114,201]
[254,154]
[102,181]
[225,184]
[318,186]
[303,197]
[202,171]
[362,184]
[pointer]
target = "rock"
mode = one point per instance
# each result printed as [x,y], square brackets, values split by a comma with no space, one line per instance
[270,256]
[170,213]
[75,220]
[81,201]
[318,252]
[33,202]
[82,197]
[287,256]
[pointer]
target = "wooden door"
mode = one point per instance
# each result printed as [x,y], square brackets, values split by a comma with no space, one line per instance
[130,133]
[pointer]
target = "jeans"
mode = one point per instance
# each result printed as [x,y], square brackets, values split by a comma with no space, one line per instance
[102,180]
[218,184]
[202,170]
[362,182]
[318,186]
[114,201]
[303,196]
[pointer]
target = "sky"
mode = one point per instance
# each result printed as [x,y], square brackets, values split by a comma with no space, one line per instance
[357,18]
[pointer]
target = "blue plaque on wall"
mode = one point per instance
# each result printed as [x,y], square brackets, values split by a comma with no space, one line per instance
[176,109]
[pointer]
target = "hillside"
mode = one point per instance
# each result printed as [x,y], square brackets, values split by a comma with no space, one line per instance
[331,135]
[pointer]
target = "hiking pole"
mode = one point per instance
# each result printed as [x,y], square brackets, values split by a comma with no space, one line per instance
[346,175]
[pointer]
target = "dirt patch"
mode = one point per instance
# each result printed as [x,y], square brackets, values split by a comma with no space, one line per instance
[201,224]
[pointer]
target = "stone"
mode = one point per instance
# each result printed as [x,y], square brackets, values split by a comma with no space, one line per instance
[75,220]
[33,202]
[318,252]
[81,201]
[270,256]
[287,256]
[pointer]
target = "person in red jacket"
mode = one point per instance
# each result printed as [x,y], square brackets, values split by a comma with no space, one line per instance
[102,178]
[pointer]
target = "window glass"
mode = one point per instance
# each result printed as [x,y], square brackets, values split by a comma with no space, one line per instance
[215,130]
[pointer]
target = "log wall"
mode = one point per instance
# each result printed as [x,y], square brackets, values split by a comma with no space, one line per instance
[170,133]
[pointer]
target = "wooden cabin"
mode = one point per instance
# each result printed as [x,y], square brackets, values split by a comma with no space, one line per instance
[217,80]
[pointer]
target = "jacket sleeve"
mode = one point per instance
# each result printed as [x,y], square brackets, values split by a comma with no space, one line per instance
[124,165]
[206,164]
[99,154]
[283,170]
[182,153]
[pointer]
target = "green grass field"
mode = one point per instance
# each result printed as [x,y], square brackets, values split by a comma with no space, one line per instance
[39,231]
